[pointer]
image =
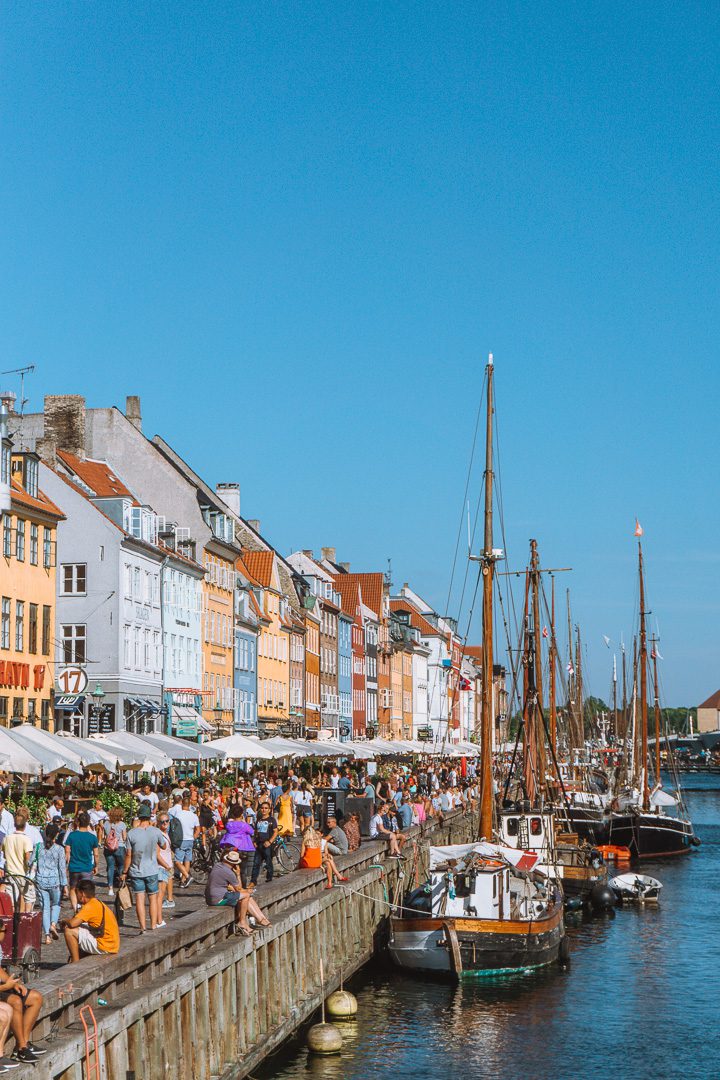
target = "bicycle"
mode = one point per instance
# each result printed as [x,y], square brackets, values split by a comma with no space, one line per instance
[286,850]
[204,857]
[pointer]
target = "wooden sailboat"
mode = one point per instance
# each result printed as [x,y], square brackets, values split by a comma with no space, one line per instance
[638,818]
[644,824]
[480,911]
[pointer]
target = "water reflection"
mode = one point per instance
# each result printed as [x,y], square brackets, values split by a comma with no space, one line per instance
[639,1000]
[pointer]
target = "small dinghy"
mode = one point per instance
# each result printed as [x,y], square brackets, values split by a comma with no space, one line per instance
[636,888]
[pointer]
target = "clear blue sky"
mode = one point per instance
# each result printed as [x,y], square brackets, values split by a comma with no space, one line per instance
[296,230]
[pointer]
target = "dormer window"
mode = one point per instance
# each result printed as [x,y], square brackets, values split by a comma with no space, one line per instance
[24,468]
[141,522]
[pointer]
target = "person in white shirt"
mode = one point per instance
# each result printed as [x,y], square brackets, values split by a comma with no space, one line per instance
[97,814]
[378,831]
[54,810]
[190,823]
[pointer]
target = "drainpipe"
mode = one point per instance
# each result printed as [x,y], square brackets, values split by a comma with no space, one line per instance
[5,499]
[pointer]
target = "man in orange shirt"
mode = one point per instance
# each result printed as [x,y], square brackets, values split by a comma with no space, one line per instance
[93,929]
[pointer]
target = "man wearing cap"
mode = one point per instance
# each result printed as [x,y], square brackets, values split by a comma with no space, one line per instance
[224,889]
[142,867]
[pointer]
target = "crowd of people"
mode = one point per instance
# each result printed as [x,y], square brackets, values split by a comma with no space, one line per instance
[236,819]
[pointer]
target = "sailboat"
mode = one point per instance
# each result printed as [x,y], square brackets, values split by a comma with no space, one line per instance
[532,823]
[482,910]
[637,818]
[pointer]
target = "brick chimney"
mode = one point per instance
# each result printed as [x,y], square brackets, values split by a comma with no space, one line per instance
[345,567]
[132,411]
[329,554]
[308,553]
[254,523]
[230,495]
[64,427]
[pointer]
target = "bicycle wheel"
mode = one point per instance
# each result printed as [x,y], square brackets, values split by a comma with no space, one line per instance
[288,854]
[200,865]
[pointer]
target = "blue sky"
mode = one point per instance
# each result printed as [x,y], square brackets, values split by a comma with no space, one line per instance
[297,230]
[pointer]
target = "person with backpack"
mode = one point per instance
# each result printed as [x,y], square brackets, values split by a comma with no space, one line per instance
[175,833]
[114,831]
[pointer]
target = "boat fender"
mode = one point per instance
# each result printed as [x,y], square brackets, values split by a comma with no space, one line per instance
[695,841]
[601,898]
[564,952]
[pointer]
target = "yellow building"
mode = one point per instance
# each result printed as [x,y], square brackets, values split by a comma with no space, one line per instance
[273,662]
[396,694]
[27,595]
[218,637]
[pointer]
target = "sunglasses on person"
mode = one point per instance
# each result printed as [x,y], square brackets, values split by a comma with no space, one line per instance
[163,821]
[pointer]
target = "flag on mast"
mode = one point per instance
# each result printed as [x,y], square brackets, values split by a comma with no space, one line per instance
[606,639]
[545,631]
[638,528]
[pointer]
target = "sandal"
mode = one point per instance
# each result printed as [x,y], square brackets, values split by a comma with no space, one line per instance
[243,931]
[54,932]
[48,939]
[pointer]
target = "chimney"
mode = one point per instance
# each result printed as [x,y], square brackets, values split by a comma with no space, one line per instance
[308,552]
[64,426]
[345,567]
[329,554]
[132,411]
[254,523]
[230,494]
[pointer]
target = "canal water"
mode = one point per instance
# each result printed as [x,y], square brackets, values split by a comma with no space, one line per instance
[640,999]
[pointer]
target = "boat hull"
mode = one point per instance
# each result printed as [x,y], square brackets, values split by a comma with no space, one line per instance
[476,947]
[648,836]
[651,836]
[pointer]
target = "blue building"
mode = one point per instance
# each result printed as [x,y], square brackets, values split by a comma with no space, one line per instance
[247,621]
[345,623]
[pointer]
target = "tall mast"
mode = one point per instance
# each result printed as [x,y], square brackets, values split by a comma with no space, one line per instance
[553,649]
[643,685]
[624,696]
[657,711]
[579,692]
[615,708]
[571,680]
[488,566]
[537,643]
[530,761]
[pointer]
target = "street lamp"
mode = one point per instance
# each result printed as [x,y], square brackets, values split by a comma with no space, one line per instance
[218,711]
[98,696]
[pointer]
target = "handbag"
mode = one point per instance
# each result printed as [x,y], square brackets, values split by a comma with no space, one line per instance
[123,899]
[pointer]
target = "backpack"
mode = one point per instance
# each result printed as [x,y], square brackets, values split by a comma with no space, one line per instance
[111,840]
[175,832]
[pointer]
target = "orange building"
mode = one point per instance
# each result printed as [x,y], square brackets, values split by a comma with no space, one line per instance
[27,592]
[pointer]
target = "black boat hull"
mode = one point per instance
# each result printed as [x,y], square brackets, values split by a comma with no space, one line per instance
[647,835]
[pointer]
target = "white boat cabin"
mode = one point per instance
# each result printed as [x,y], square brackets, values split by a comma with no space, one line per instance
[480,881]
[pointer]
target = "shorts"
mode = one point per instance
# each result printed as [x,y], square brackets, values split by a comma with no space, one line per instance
[230,899]
[145,884]
[163,874]
[87,941]
[183,854]
[76,876]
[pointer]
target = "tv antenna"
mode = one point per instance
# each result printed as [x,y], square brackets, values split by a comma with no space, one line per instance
[22,372]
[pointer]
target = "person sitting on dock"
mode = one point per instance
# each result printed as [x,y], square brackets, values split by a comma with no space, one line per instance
[224,889]
[93,929]
[379,831]
[26,1005]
